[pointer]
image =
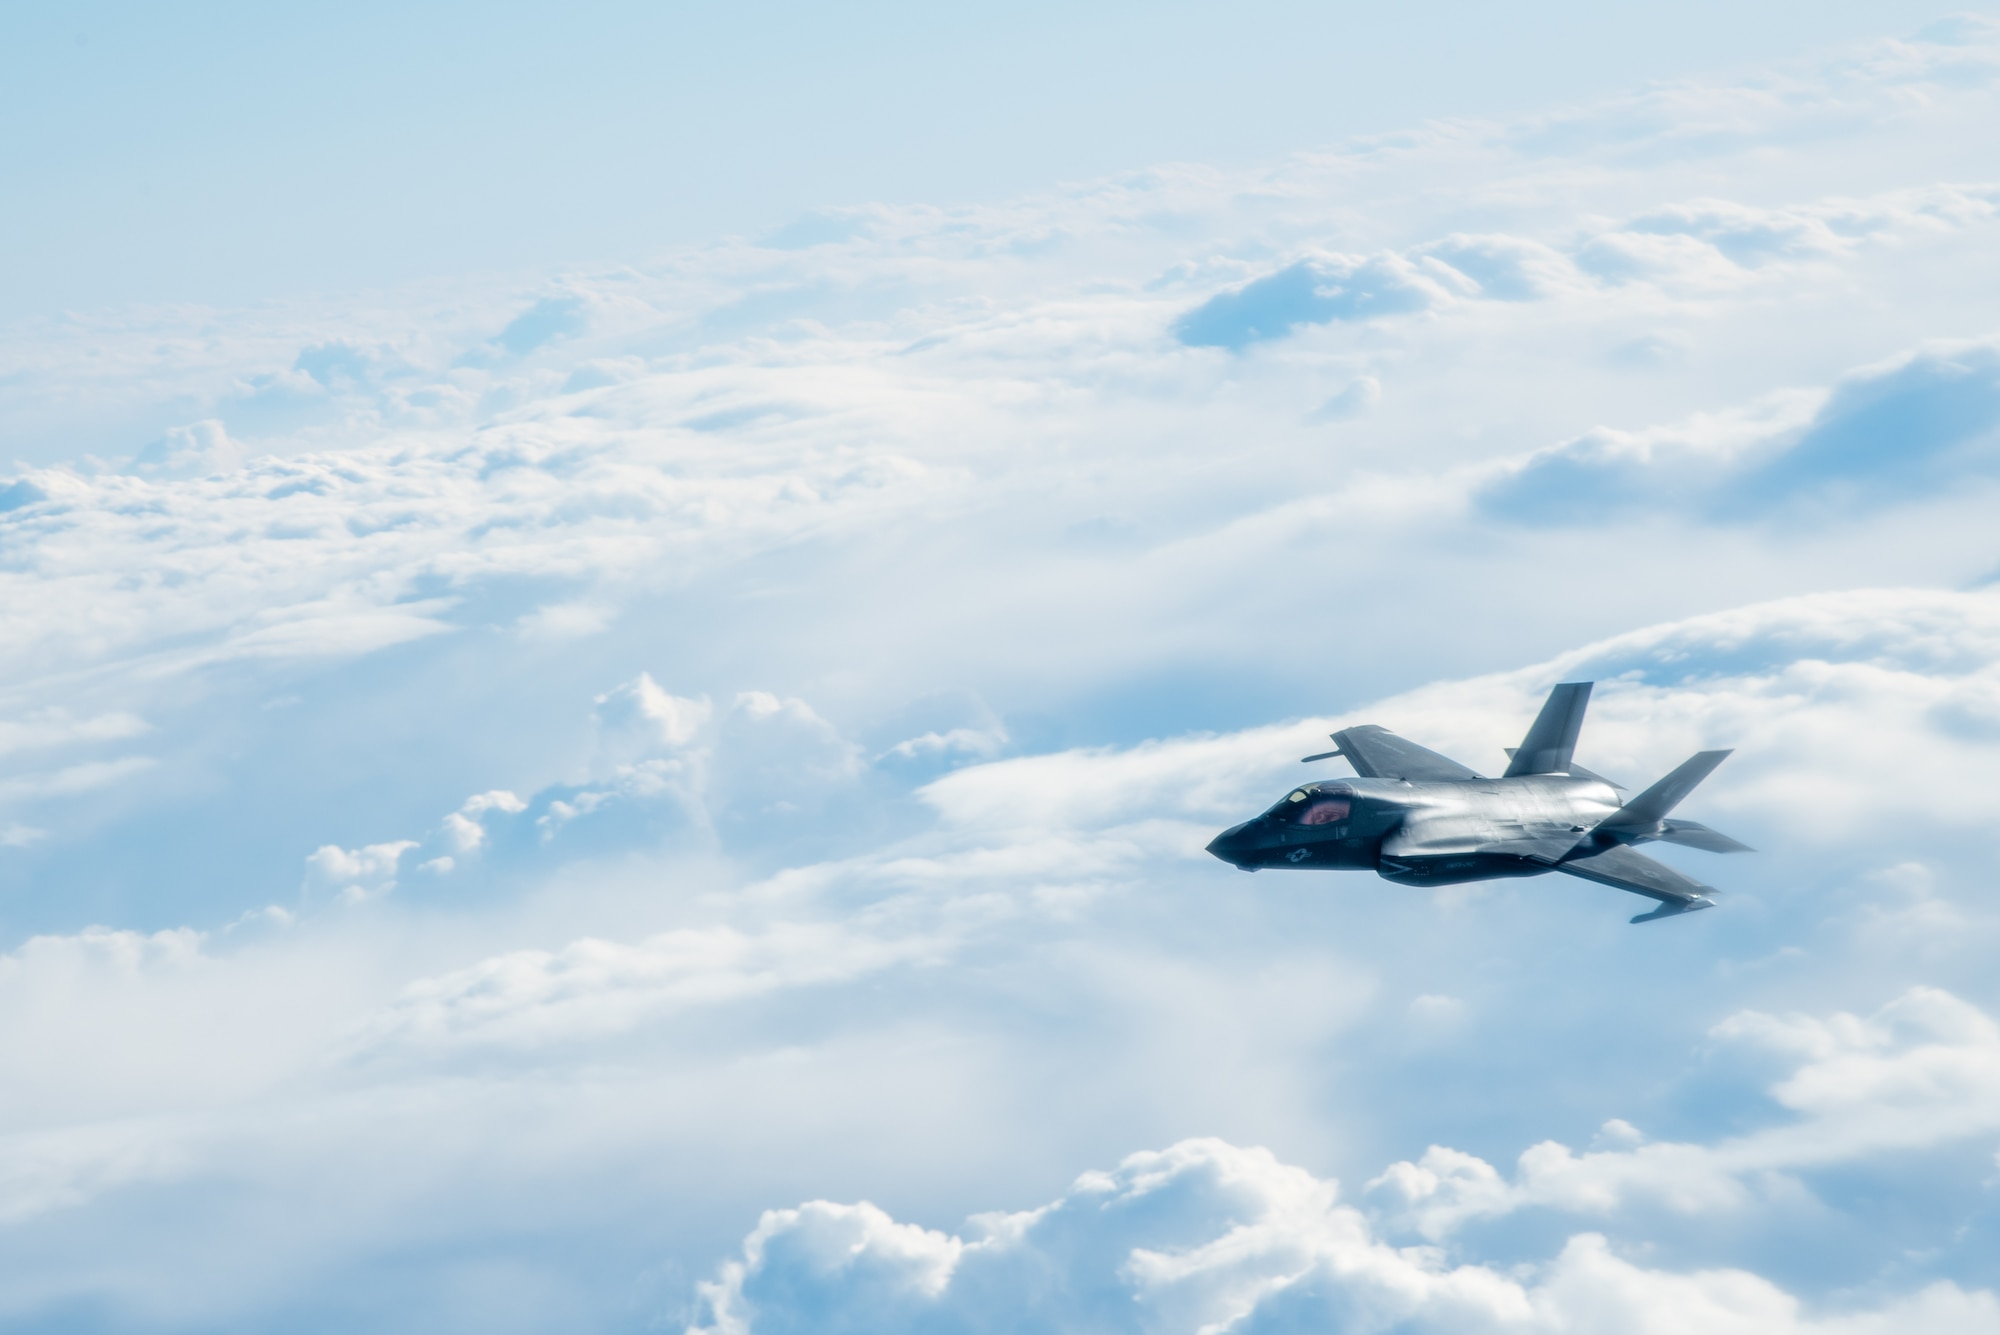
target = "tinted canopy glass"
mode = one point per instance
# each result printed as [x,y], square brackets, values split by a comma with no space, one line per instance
[1323,810]
[1315,806]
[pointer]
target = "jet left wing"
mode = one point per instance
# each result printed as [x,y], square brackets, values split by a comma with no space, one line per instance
[1618,866]
[1377,753]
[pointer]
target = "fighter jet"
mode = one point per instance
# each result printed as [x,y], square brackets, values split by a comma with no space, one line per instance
[1418,818]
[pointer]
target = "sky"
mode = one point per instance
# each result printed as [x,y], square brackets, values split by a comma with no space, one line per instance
[621,629]
[228,152]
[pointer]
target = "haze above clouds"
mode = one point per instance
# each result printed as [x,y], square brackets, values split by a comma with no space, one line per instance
[671,793]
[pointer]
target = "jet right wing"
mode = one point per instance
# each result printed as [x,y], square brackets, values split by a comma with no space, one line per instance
[1616,865]
[1377,753]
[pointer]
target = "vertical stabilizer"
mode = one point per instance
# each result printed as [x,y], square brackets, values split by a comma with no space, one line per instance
[1552,740]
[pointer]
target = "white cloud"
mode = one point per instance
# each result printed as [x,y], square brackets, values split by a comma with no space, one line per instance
[1355,399]
[1791,684]
[1207,1237]
[1883,434]
[199,450]
[697,574]
[593,988]
[463,828]
[55,726]
[71,780]
[51,1170]
[566,621]
[639,718]
[1509,268]
[982,742]
[987,891]
[1920,1073]
[357,874]
[1317,289]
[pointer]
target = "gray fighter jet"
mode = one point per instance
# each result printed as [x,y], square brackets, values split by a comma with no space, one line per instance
[1418,818]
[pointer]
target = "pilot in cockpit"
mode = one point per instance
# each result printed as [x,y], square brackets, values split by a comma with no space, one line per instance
[1320,804]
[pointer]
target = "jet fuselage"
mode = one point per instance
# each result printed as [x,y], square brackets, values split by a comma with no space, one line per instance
[1421,818]
[1423,833]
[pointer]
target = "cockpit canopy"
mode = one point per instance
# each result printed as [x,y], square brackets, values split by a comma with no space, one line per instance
[1315,804]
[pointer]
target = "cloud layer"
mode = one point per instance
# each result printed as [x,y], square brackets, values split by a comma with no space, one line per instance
[505,785]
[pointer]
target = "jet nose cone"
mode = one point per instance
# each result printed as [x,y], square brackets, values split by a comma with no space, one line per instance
[1229,845]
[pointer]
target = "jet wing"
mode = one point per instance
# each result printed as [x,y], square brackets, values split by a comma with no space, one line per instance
[1377,753]
[1618,866]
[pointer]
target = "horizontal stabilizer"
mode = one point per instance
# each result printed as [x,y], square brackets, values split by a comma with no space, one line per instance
[1377,753]
[1551,740]
[1617,866]
[1693,834]
[1646,813]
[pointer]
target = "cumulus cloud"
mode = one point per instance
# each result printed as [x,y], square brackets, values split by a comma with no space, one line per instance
[1605,475]
[551,318]
[463,826]
[1919,1073]
[196,450]
[357,874]
[1206,1236]
[1883,434]
[638,719]
[1926,421]
[982,742]
[1313,291]
[1507,268]
[1697,245]
[1000,895]
[1715,241]
[1019,832]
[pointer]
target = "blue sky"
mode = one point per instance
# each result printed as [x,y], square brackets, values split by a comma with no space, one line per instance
[230,152]
[622,631]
